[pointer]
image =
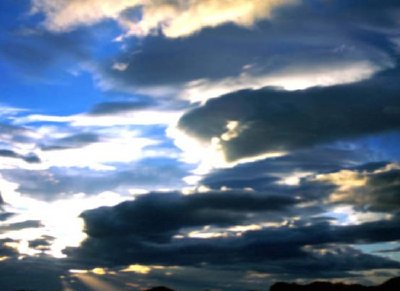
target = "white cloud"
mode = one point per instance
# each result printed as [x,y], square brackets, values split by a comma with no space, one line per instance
[288,78]
[62,15]
[174,18]
[98,155]
[7,112]
[139,117]
[183,18]
[120,139]
[120,66]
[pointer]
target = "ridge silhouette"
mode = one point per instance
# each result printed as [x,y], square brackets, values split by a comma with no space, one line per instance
[390,285]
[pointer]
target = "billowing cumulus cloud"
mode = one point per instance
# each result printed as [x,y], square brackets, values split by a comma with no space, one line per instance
[173,18]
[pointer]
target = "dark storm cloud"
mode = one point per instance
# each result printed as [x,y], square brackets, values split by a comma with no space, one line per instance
[273,120]
[141,231]
[303,36]
[158,216]
[54,183]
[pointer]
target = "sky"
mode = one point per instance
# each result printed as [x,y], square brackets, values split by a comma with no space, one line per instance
[198,144]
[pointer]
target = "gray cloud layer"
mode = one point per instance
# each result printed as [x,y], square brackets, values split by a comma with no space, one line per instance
[273,120]
[143,230]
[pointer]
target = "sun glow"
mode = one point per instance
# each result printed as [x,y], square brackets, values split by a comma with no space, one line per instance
[59,220]
[140,269]
[209,155]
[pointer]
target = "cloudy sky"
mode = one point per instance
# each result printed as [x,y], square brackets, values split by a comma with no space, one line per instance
[220,144]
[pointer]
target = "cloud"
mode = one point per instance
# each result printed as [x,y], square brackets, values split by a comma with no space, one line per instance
[271,120]
[73,141]
[43,243]
[6,250]
[153,116]
[18,147]
[267,174]
[280,52]
[64,15]
[173,18]
[31,158]
[31,273]
[393,250]
[157,217]
[14,134]
[366,189]
[55,183]
[224,67]
[110,108]
[145,232]
[20,225]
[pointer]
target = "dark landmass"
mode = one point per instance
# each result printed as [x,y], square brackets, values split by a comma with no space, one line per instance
[159,288]
[390,285]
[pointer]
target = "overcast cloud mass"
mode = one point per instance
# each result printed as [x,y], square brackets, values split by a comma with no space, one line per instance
[202,144]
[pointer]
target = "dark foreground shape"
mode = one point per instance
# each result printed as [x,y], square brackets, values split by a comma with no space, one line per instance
[390,285]
[160,288]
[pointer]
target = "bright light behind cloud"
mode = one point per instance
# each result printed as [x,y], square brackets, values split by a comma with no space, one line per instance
[98,155]
[140,269]
[346,215]
[210,155]
[120,141]
[59,219]
[183,18]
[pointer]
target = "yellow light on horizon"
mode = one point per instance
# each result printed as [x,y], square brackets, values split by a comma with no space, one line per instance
[99,271]
[140,269]
[77,271]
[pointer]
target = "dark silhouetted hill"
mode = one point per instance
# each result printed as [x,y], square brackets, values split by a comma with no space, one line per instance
[159,288]
[390,285]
